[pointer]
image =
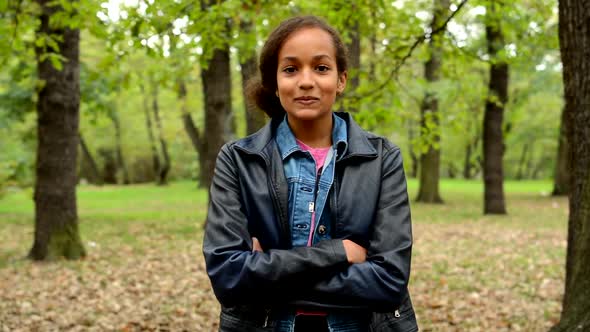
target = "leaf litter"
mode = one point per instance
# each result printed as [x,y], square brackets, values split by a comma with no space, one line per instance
[465,277]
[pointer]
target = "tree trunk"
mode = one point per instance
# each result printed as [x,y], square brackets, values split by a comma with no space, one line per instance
[561,178]
[217,91]
[413,156]
[452,171]
[373,45]
[216,78]
[354,61]
[94,176]
[58,107]
[189,126]
[428,191]
[109,167]
[121,165]
[523,161]
[255,119]
[467,162]
[150,130]
[574,37]
[530,168]
[468,167]
[538,167]
[493,141]
[162,171]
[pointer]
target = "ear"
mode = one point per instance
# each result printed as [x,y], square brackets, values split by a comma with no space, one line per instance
[342,77]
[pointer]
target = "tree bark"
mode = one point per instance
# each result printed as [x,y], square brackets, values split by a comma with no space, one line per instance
[574,37]
[561,178]
[428,191]
[94,176]
[150,130]
[493,141]
[216,78]
[162,171]
[217,91]
[58,109]
[354,61]
[255,119]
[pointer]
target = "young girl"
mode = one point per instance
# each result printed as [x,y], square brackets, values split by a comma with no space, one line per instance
[309,223]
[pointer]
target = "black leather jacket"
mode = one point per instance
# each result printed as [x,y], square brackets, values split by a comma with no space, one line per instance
[368,203]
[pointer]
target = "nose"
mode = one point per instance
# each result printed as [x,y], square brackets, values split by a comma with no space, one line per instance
[306,82]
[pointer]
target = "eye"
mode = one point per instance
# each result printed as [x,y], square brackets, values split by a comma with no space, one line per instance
[289,70]
[322,68]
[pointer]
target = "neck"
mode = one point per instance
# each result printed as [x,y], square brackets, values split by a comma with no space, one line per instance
[315,133]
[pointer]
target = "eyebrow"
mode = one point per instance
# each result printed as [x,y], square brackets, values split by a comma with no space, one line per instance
[315,57]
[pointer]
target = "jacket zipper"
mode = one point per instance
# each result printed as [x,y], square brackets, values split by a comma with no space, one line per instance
[266,318]
[315,191]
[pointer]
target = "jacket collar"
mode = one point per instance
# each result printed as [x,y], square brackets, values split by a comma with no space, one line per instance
[287,142]
[259,142]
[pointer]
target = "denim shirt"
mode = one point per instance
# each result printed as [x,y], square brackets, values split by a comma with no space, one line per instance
[300,171]
[305,195]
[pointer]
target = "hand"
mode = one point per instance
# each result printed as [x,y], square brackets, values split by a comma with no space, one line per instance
[256,245]
[354,252]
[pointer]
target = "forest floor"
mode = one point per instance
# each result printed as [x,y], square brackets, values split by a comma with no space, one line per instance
[145,272]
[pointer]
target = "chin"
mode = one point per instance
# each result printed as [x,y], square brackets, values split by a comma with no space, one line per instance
[308,114]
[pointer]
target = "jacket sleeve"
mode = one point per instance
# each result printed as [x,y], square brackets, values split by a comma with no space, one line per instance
[380,282]
[240,276]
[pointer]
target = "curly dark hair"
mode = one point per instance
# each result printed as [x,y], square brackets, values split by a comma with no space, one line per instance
[261,90]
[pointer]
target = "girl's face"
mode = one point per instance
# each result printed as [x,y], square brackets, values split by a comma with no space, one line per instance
[307,75]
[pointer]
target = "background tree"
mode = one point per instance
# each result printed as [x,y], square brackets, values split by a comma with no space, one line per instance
[561,178]
[574,37]
[93,174]
[493,139]
[164,166]
[248,59]
[56,215]
[429,123]
[216,80]
[179,36]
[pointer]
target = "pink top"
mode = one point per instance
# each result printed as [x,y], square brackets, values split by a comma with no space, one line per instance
[319,155]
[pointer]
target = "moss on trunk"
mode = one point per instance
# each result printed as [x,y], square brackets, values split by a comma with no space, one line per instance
[65,242]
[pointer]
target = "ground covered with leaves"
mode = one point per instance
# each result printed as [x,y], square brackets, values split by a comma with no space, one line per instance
[145,271]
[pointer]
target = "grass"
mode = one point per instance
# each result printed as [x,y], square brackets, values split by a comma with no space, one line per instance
[470,272]
[132,215]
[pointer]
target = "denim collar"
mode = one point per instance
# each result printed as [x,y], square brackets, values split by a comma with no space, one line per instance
[261,142]
[288,144]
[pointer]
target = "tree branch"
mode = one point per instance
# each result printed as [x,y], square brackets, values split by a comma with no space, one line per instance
[395,71]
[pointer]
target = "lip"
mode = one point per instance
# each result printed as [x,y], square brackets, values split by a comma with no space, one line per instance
[306,99]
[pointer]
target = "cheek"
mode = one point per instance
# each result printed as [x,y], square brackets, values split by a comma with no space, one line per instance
[285,89]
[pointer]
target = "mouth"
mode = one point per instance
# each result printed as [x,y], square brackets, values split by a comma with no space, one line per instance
[306,99]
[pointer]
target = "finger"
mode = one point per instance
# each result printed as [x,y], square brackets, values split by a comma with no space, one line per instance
[256,245]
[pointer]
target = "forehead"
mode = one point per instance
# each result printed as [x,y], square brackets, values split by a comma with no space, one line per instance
[308,42]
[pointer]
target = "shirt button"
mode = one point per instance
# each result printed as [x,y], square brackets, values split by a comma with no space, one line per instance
[322,229]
